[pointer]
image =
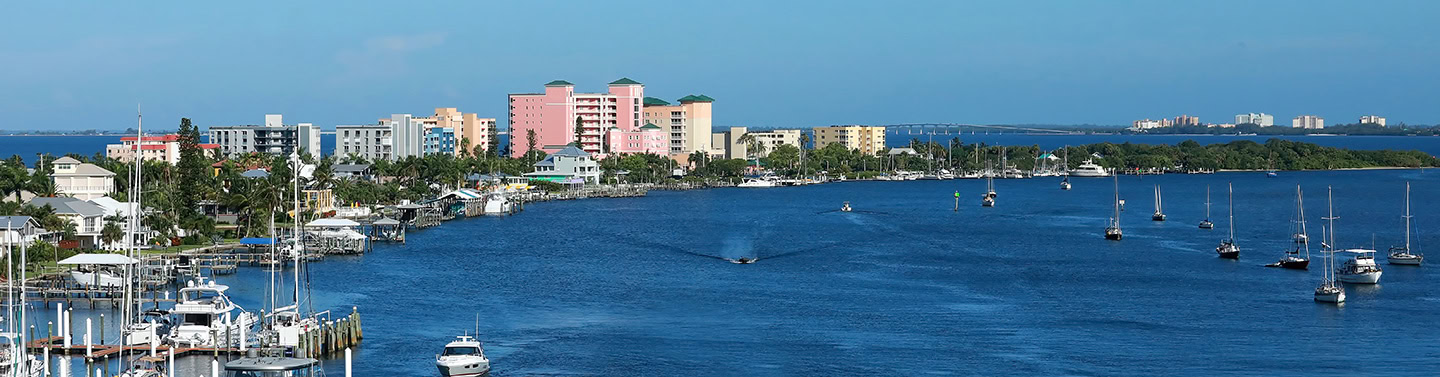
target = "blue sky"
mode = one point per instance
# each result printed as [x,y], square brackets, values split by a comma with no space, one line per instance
[768,63]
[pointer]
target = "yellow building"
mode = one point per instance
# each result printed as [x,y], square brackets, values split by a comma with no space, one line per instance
[687,124]
[866,139]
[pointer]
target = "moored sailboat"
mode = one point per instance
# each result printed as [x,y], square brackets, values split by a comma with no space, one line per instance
[1330,289]
[1227,248]
[1403,255]
[1159,214]
[1112,231]
[1206,224]
[1293,259]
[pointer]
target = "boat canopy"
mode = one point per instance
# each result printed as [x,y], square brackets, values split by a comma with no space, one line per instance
[1358,251]
[463,194]
[100,259]
[332,222]
[252,241]
[409,206]
[386,221]
[270,364]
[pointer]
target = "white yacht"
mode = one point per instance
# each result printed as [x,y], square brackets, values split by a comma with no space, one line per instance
[1402,255]
[497,204]
[1360,269]
[756,183]
[1112,230]
[1159,214]
[845,207]
[26,365]
[97,278]
[1089,169]
[207,316]
[464,357]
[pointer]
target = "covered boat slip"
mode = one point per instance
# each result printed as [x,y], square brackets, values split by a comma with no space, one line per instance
[335,236]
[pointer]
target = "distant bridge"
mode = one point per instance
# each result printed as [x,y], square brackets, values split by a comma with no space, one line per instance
[958,128]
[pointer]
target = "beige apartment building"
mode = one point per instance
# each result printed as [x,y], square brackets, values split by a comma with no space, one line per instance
[688,124]
[726,144]
[866,139]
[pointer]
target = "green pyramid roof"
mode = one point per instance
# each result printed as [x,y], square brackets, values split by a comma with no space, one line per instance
[650,126]
[559,83]
[625,81]
[695,98]
[689,98]
[705,98]
[652,101]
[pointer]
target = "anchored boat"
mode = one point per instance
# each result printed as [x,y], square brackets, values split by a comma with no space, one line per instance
[1227,248]
[464,357]
[1402,255]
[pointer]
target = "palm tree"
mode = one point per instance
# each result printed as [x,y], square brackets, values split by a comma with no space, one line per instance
[804,144]
[112,232]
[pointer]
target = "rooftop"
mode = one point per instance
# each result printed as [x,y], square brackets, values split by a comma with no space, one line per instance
[652,101]
[559,83]
[650,126]
[69,206]
[625,81]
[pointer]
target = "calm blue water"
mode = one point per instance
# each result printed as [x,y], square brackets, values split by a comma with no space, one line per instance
[905,286]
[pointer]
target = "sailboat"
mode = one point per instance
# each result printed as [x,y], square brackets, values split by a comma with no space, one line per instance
[1112,232]
[989,199]
[1227,248]
[286,324]
[1270,173]
[1402,255]
[1158,216]
[1330,289]
[1293,259]
[1065,169]
[1206,224]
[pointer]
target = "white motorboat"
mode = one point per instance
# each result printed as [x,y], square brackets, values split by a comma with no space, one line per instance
[1402,255]
[1360,269]
[97,278]
[153,324]
[207,316]
[756,183]
[464,357]
[497,204]
[845,207]
[1089,169]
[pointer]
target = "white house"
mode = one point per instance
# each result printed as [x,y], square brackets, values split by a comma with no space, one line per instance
[112,207]
[16,230]
[81,180]
[568,165]
[88,217]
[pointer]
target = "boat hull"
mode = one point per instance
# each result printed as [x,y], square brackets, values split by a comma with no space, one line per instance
[1302,264]
[1158,217]
[465,369]
[1412,260]
[1330,297]
[1207,225]
[1361,278]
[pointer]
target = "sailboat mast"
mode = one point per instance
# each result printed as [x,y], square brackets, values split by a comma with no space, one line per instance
[1207,202]
[299,241]
[1300,209]
[1232,212]
[1407,218]
[1116,203]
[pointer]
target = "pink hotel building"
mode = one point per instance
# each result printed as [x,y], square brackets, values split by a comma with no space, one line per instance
[552,115]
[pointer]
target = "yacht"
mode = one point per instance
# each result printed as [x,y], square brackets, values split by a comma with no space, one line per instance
[1293,259]
[464,357]
[207,316]
[498,204]
[1112,231]
[1206,224]
[1089,169]
[97,277]
[1402,255]
[1330,289]
[153,323]
[1360,269]
[742,260]
[756,183]
[1227,248]
[15,362]
[989,199]
[1159,215]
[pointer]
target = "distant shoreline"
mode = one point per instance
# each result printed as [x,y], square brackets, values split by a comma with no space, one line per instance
[1334,169]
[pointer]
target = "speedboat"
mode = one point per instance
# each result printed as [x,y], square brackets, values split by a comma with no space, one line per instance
[742,260]
[253,366]
[1089,169]
[756,183]
[1360,269]
[207,316]
[97,277]
[464,357]
[845,207]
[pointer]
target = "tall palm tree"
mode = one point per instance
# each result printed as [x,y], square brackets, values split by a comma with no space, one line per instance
[112,232]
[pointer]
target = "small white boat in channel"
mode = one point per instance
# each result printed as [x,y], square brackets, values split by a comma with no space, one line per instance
[756,183]
[464,357]
[845,207]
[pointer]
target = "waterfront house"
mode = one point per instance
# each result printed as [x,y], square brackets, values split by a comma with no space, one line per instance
[568,165]
[116,208]
[353,171]
[16,230]
[87,217]
[83,181]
